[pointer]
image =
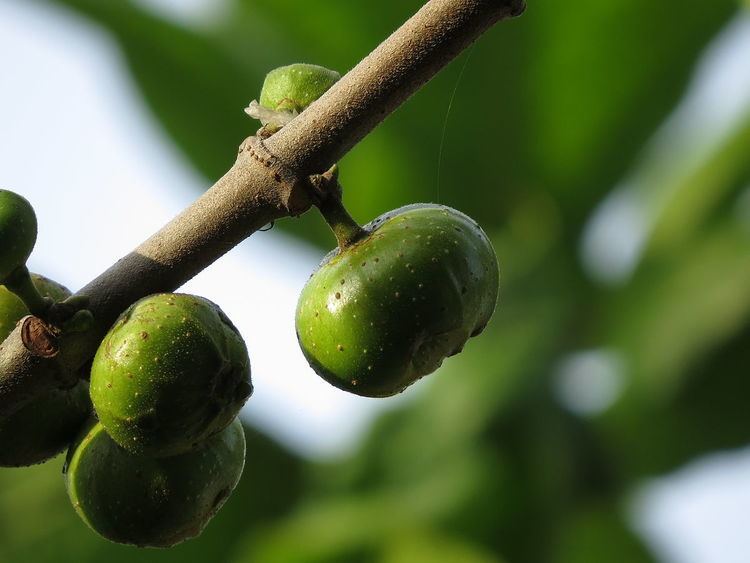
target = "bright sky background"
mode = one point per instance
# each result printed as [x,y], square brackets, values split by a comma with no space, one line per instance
[77,141]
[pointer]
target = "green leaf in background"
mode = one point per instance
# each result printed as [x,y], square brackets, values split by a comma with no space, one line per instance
[681,307]
[681,327]
[435,548]
[603,77]
[360,527]
[707,414]
[596,533]
[701,187]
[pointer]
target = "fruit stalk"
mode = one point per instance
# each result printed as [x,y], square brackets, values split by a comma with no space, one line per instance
[19,282]
[260,188]
[346,230]
[327,193]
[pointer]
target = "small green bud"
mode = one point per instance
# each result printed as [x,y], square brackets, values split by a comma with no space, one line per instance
[287,91]
[296,86]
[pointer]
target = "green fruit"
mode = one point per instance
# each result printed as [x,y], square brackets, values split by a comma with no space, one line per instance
[296,86]
[44,427]
[151,502]
[171,372]
[17,232]
[388,309]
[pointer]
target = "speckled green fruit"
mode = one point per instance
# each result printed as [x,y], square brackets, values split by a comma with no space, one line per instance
[44,427]
[172,371]
[17,232]
[296,86]
[387,310]
[151,502]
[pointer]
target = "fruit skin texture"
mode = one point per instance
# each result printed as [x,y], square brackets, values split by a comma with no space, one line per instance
[151,502]
[171,372]
[296,86]
[18,231]
[382,313]
[44,427]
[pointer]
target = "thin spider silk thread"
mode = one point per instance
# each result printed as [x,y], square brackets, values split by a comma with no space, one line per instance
[447,115]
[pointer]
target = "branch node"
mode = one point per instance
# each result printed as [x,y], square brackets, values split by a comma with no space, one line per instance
[324,186]
[38,337]
[289,185]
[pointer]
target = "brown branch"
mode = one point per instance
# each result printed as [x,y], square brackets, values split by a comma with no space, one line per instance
[267,182]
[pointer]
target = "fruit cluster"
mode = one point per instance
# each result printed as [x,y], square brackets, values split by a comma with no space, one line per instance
[162,449]
[167,383]
[154,443]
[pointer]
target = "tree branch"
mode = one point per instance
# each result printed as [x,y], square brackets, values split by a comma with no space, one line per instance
[268,181]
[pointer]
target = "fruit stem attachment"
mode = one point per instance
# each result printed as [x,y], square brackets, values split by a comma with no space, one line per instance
[346,229]
[20,283]
[328,201]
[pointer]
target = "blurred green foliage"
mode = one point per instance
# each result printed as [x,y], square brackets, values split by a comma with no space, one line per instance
[487,465]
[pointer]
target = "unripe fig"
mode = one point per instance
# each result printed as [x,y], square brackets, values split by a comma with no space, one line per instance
[45,426]
[17,232]
[387,309]
[172,371]
[151,502]
[296,86]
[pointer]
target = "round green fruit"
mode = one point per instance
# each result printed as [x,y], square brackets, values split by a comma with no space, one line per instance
[296,86]
[45,426]
[17,232]
[386,310]
[151,502]
[172,371]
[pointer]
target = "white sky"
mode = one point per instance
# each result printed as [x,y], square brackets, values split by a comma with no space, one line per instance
[76,140]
